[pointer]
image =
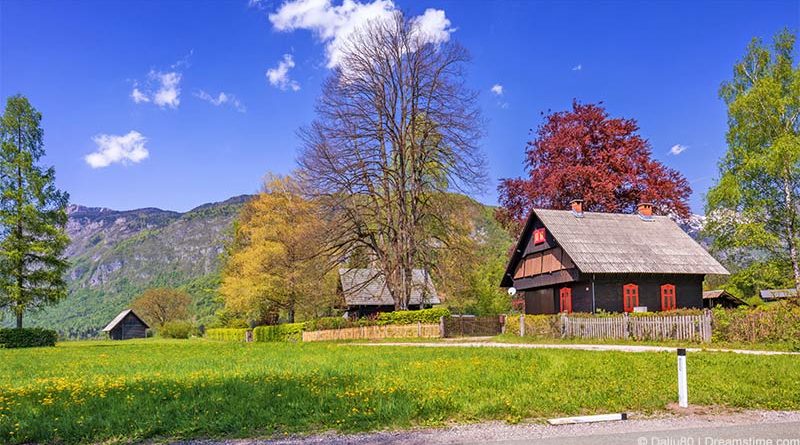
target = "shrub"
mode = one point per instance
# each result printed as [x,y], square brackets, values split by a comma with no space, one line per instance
[279,332]
[27,338]
[324,323]
[177,329]
[775,322]
[538,326]
[409,317]
[226,334]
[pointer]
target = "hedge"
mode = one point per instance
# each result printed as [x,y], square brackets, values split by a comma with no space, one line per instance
[410,317]
[773,322]
[537,326]
[27,338]
[279,332]
[226,334]
[177,329]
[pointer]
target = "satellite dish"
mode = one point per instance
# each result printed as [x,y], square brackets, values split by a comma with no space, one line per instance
[512,291]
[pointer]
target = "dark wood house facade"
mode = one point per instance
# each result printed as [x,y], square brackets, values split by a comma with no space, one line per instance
[365,293]
[576,261]
[126,325]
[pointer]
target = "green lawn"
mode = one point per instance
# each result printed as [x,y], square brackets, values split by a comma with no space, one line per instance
[104,391]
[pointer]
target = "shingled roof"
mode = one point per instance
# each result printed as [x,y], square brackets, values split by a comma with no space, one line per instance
[622,243]
[121,317]
[367,287]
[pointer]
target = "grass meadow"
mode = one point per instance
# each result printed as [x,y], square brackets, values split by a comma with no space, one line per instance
[128,391]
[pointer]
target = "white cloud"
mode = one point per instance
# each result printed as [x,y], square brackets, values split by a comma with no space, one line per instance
[677,149]
[163,88]
[497,89]
[279,76]
[139,97]
[169,91]
[222,98]
[112,149]
[577,67]
[334,24]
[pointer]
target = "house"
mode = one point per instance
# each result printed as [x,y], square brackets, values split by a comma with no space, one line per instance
[365,292]
[571,260]
[126,325]
[777,294]
[714,298]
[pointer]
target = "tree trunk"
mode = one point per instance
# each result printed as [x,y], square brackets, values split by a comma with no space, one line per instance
[791,231]
[19,320]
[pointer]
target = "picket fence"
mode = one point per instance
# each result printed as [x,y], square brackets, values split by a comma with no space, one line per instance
[418,330]
[670,327]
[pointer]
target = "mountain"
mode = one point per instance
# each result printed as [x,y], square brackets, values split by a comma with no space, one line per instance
[115,255]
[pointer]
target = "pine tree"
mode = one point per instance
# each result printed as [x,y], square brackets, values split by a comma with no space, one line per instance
[32,216]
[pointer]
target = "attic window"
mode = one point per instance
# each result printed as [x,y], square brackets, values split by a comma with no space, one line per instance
[538,236]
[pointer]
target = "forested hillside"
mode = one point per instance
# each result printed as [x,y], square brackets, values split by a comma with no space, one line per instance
[115,255]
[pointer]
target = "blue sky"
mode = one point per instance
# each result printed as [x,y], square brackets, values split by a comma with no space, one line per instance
[138,83]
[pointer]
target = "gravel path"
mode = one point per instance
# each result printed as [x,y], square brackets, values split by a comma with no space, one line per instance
[502,432]
[621,348]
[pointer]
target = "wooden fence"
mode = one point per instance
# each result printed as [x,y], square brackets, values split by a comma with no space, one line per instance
[670,327]
[471,326]
[418,330]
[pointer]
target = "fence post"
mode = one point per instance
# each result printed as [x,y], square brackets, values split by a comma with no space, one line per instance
[502,323]
[419,329]
[707,325]
[441,327]
[521,325]
[625,329]
[564,321]
[683,393]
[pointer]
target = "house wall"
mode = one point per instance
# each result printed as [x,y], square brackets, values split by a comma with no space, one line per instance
[608,293]
[130,327]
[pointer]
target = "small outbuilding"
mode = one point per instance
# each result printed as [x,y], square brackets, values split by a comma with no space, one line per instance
[126,325]
[365,292]
[721,298]
[777,294]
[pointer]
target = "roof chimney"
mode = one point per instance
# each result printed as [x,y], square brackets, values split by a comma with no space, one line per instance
[577,207]
[645,210]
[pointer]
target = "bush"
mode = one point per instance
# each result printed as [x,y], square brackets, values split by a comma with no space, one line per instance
[410,317]
[320,324]
[279,332]
[538,326]
[27,338]
[177,329]
[226,334]
[774,322]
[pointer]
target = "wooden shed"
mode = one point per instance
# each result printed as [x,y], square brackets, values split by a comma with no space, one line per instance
[571,260]
[126,325]
[721,298]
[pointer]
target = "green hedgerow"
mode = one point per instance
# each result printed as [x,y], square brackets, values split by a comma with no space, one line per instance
[27,338]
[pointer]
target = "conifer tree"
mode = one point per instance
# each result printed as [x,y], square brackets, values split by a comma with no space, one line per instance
[32,216]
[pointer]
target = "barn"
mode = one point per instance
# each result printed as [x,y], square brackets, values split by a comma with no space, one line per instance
[126,325]
[365,293]
[576,261]
[721,298]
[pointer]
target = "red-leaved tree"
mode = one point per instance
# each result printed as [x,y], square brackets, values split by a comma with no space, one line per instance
[584,153]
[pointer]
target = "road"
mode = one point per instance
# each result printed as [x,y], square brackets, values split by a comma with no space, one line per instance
[752,434]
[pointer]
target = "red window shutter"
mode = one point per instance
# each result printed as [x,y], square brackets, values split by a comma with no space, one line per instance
[630,297]
[668,301]
[538,236]
[566,300]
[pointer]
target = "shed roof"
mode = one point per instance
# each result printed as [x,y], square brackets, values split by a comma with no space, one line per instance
[723,294]
[118,319]
[367,287]
[620,243]
[774,294]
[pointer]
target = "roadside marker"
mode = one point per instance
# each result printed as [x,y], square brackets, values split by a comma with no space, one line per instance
[683,391]
[588,419]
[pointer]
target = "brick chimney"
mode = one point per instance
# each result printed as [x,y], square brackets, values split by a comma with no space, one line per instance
[645,210]
[577,207]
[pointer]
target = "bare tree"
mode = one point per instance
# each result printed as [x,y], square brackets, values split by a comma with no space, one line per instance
[396,130]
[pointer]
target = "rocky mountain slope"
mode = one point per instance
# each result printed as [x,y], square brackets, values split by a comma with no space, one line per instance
[115,255]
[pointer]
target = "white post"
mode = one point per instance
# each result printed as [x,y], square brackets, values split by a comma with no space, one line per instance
[683,392]
[521,325]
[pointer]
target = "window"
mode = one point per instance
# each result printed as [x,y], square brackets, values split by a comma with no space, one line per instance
[630,297]
[538,236]
[566,300]
[668,302]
